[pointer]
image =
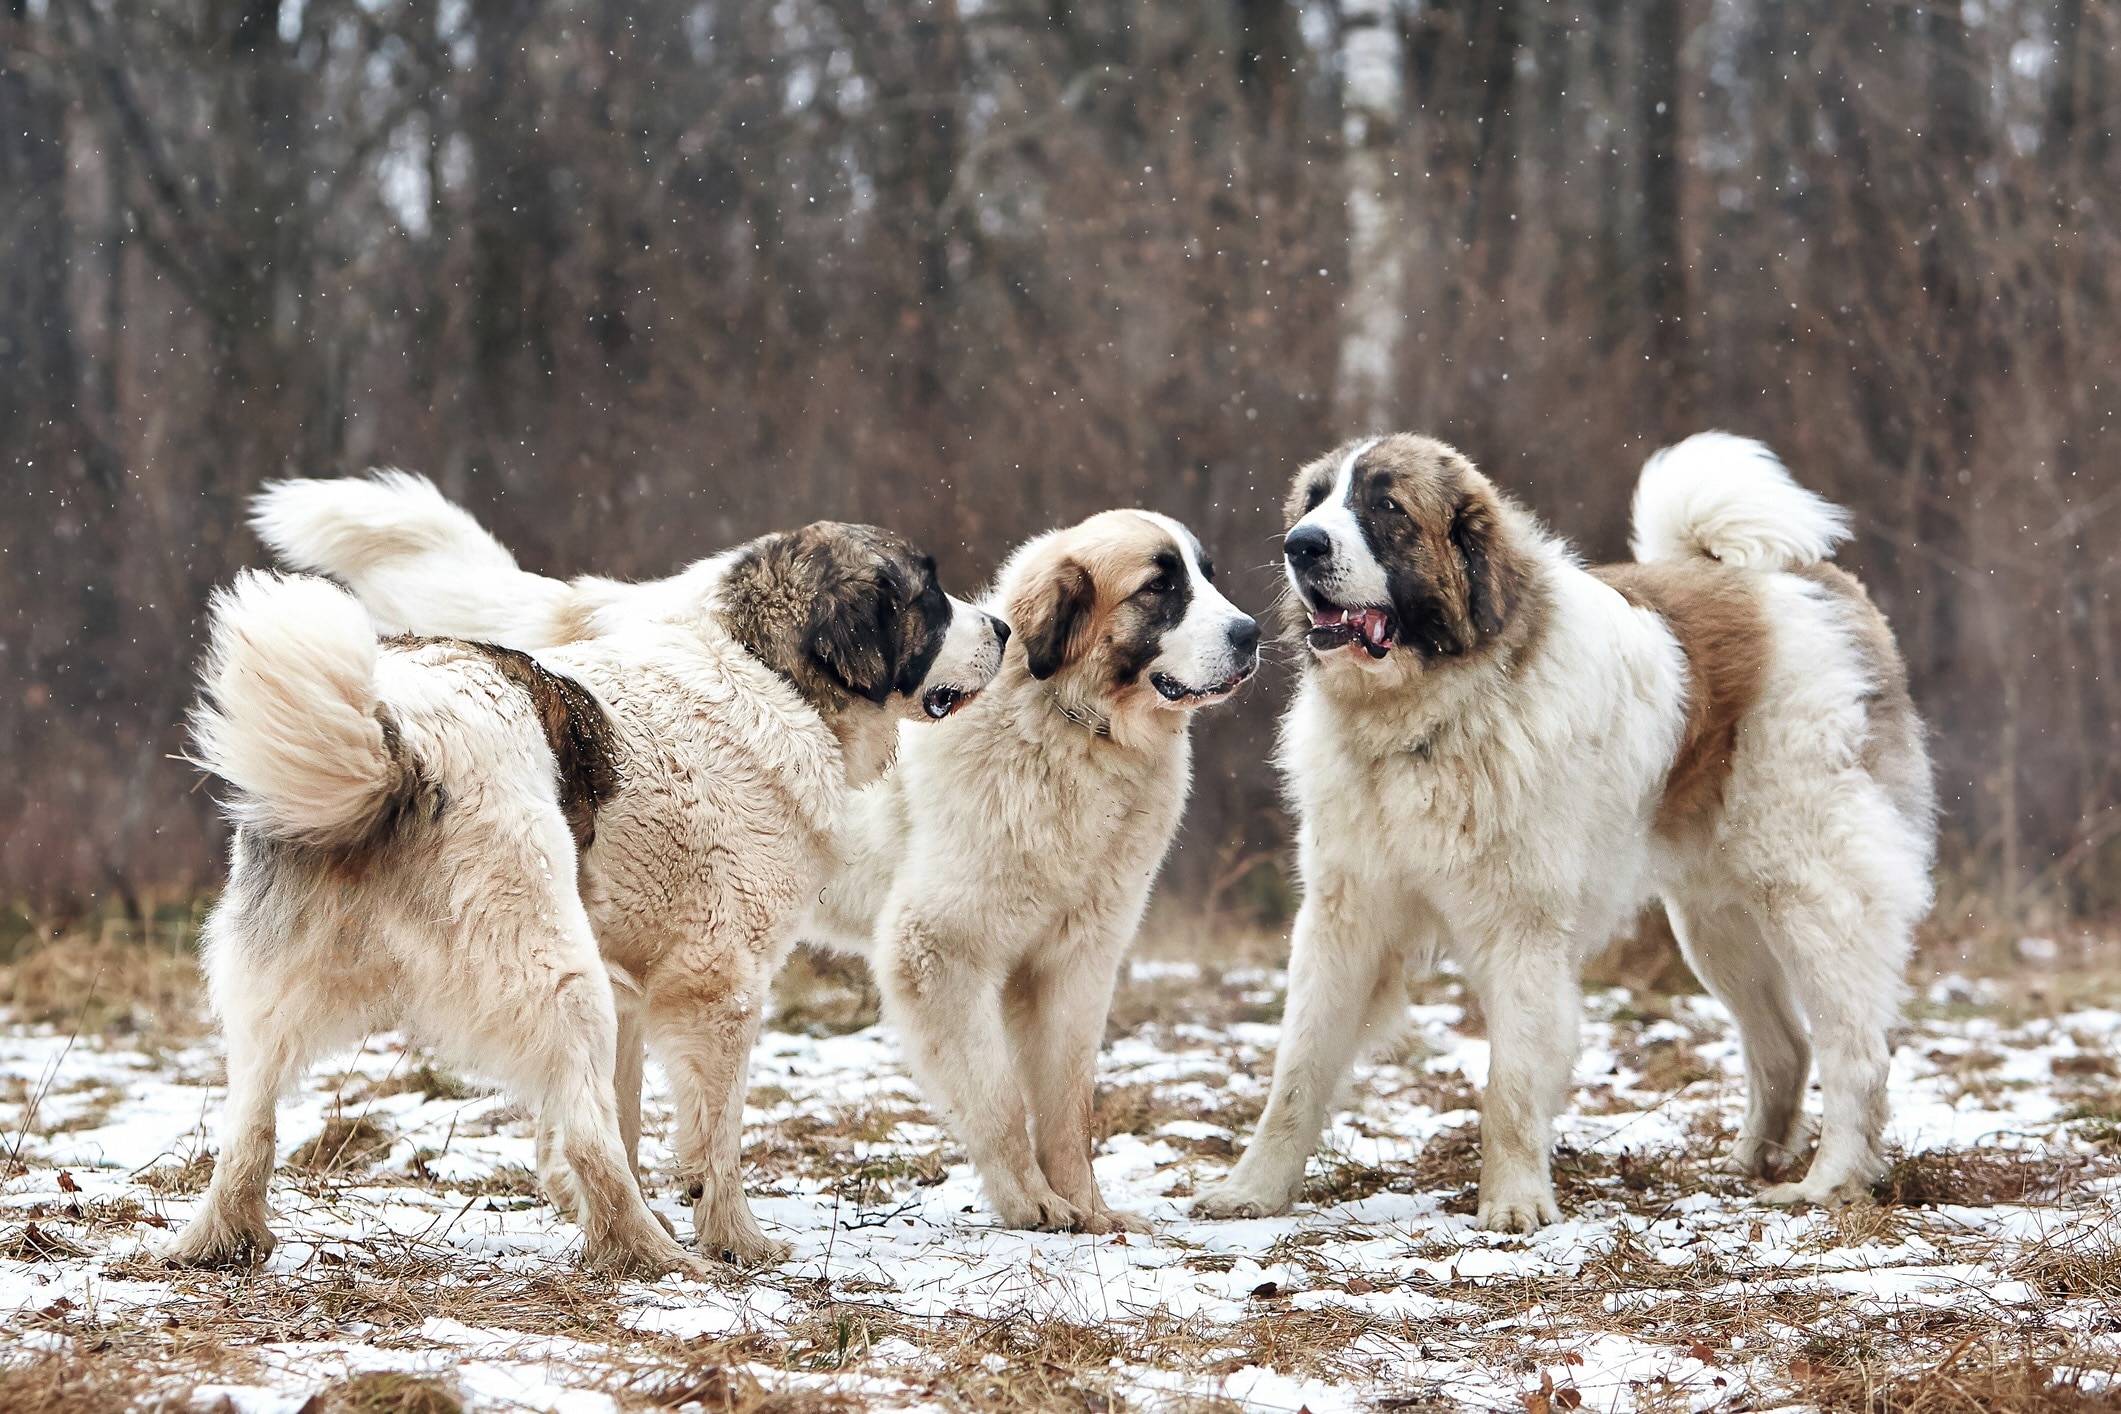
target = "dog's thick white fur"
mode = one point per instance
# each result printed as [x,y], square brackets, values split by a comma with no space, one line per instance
[996,877]
[402,857]
[535,862]
[1500,756]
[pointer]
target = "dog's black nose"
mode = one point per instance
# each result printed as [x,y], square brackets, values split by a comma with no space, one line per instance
[1307,547]
[1001,631]
[1244,636]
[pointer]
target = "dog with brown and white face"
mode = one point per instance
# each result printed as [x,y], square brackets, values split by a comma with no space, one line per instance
[538,858]
[996,877]
[1500,756]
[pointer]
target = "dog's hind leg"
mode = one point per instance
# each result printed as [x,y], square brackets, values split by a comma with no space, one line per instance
[555,1179]
[269,1044]
[550,1028]
[1849,984]
[1725,948]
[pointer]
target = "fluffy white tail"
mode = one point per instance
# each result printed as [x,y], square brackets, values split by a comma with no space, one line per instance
[289,713]
[419,563]
[1730,499]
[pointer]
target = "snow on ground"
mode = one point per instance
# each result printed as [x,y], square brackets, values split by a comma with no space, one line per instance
[1664,1288]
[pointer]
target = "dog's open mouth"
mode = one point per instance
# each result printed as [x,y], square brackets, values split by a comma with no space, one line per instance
[940,702]
[1370,630]
[1172,690]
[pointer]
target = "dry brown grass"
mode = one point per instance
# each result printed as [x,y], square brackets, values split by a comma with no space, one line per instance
[384,1392]
[181,1178]
[1964,1382]
[1983,1178]
[345,1142]
[824,994]
[39,1242]
[65,1383]
[106,984]
[426,1080]
[1144,1109]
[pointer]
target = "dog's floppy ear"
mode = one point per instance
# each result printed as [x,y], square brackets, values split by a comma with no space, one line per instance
[1051,618]
[1494,579]
[854,635]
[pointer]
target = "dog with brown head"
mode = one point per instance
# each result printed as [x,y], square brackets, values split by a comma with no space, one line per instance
[1399,543]
[997,876]
[855,619]
[1120,619]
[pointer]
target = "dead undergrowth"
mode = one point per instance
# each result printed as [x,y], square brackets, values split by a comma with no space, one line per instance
[1409,1312]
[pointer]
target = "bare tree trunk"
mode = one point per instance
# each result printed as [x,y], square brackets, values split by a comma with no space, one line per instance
[1664,283]
[1373,95]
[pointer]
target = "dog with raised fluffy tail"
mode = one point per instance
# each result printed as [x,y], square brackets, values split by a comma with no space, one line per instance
[1499,755]
[535,861]
[996,875]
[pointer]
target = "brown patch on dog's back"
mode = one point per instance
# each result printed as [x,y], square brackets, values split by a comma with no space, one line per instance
[584,746]
[1893,750]
[1715,614]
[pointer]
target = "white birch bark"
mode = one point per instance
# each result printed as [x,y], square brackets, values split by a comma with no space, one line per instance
[1373,314]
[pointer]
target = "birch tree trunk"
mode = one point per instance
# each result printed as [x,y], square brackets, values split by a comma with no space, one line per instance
[1373,317]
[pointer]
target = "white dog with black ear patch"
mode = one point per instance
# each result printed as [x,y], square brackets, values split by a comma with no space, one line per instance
[1499,755]
[996,876]
[698,737]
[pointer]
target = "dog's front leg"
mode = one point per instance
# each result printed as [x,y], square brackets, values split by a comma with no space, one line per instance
[703,1024]
[1529,990]
[1346,991]
[1056,1021]
[949,1014]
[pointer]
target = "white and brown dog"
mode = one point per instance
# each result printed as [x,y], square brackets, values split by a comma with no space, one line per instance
[1500,756]
[533,861]
[996,877]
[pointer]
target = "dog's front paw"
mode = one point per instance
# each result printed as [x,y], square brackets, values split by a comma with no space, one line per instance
[1756,1156]
[1104,1221]
[1232,1199]
[1518,1214]
[1827,1195]
[648,1259]
[207,1241]
[1043,1211]
[749,1250]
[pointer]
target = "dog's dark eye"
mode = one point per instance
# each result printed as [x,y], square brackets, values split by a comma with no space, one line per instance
[1162,584]
[1313,496]
[1386,506]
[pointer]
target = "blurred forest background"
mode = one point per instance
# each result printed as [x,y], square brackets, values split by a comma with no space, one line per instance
[637,281]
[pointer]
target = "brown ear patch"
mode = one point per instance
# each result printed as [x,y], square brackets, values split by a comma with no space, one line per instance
[1053,617]
[1715,614]
[584,746]
[1495,578]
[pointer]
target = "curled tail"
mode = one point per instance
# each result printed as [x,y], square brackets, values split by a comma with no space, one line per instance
[289,714]
[419,562]
[1729,499]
